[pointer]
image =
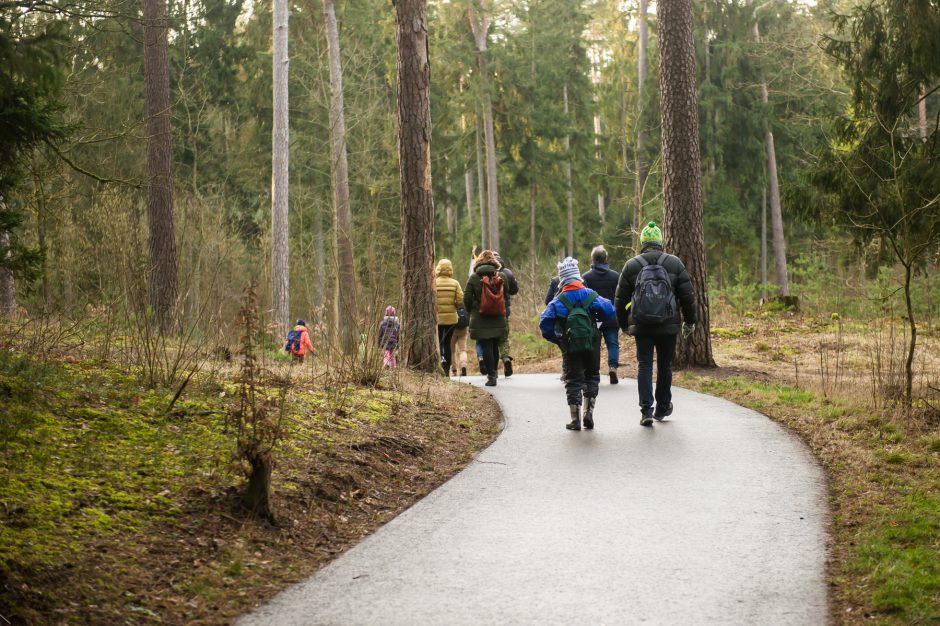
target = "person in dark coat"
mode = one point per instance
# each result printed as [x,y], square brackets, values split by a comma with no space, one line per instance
[512,289]
[659,337]
[486,330]
[604,281]
[552,290]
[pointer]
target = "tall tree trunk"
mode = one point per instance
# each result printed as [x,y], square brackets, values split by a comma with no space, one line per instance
[451,212]
[570,192]
[912,345]
[763,244]
[418,297]
[642,71]
[682,185]
[347,315]
[468,191]
[163,269]
[776,212]
[280,148]
[479,24]
[922,114]
[481,181]
[533,192]
[7,282]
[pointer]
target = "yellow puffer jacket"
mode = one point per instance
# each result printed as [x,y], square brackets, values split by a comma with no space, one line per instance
[449,294]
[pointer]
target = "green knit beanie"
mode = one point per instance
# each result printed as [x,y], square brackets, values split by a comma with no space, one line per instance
[651,234]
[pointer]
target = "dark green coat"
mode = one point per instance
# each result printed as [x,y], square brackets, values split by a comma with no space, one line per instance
[483,326]
[681,285]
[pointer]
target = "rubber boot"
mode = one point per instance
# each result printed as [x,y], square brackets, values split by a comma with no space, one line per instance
[490,380]
[588,417]
[575,423]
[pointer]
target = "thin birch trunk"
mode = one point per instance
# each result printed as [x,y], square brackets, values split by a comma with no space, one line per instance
[776,212]
[481,181]
[346,311]
[479,24]
[280,147]
[570,192]
[468,190]
[763,245]
[922,114]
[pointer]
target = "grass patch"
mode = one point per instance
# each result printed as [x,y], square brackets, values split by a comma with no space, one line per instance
[114,510]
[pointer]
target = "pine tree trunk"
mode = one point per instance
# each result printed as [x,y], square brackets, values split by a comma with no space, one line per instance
[280,140]
[569,198]
[163,263]
[346,313]
[418,297]
[642,71]
[776,212]
[682,186]
[763,245]
[468,190]
[479,25]
[533,192]
[451,212]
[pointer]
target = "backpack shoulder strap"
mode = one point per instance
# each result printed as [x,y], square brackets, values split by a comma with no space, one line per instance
[564,300]
[590,300]
[662,255]
[642,260]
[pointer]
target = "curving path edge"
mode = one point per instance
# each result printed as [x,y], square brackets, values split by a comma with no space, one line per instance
[716,515]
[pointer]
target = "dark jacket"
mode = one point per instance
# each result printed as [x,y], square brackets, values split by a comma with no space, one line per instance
[484,326]
[604,281]
[512,286]
[552,320]
[681,284]
[552,290]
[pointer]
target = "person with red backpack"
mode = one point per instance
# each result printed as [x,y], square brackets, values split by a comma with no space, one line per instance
[298,342]
[654,286]
[571,321]
[485,298]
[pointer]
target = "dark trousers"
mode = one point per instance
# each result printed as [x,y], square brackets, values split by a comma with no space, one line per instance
[444,334]
[490,349]
[582,373]
[665,346]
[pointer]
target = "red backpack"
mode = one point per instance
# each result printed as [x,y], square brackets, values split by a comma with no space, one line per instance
[493,301]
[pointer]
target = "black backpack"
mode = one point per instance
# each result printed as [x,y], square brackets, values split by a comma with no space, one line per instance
[654,300]
[463,318]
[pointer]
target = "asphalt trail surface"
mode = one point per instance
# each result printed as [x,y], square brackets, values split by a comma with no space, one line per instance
[714,516]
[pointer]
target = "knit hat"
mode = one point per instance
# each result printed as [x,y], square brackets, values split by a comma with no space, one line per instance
[568,271]
[301,323]
[651,234]
[390,311]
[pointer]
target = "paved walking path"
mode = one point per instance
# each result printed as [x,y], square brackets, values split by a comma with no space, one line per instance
[714,516]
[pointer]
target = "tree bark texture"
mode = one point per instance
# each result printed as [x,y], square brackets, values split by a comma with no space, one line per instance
[164,289]
[468,190]
[280,149]
[347,315]
[776,212]
[922,114]
[682,183]
[481,181]
[418,295]
[479,24]
[7,282]
[642,72]
[569,198]
[533,192]
[763,245]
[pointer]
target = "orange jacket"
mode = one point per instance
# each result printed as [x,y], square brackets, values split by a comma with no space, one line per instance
[305,344]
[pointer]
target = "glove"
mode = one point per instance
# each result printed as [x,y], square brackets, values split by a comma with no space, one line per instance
[687,329]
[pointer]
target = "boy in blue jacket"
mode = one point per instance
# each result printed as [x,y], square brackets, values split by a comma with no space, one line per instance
[570,320]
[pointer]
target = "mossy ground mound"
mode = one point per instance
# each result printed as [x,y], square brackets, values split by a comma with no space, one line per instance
[114,509]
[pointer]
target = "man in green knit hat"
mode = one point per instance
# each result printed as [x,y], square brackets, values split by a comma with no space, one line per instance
[653,287]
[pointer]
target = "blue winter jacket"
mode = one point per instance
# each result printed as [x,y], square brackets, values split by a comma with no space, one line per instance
[552,321]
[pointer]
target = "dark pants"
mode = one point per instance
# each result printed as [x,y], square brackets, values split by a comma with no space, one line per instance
[665,346]
[490,348]
[612,339]
[444,334]
[582,373]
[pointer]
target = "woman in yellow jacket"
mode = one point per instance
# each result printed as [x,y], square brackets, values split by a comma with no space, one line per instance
[449,299]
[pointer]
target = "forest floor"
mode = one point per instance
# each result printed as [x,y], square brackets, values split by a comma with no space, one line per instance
[838,385]
[114,509]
